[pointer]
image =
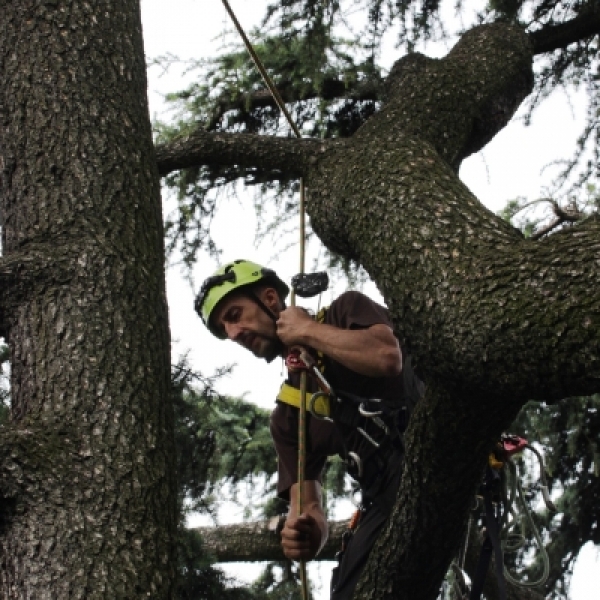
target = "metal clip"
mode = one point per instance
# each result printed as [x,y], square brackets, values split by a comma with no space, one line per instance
[367,413]
[367,436]
[356,458]
[311,406]
[373,415]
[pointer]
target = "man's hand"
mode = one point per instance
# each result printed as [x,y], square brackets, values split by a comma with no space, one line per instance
[293,324]
[301,537]
[373,351]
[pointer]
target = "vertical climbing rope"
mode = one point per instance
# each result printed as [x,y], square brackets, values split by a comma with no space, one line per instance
[303,376]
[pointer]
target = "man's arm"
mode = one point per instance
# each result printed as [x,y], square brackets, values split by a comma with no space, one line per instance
[373,351]
[303,536]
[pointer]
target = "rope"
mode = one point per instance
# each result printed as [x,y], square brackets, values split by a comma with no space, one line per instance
[268,81]
[515,541]
[303,376]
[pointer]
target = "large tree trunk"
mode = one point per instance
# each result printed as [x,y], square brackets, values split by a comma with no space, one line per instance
[86,469]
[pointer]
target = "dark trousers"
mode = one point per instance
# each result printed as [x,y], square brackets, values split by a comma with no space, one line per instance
[347,573]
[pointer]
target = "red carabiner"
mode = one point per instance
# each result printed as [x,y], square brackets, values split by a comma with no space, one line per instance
[512,444]
[298,359]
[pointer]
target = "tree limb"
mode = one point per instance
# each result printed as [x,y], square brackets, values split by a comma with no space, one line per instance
[264,152]
[259,541]
[330,89]
[256,542]
[553,37]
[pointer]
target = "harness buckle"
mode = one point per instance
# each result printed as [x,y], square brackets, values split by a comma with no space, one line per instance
[312,406]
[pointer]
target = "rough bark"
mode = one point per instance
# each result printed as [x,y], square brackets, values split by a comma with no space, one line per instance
[493,319]
[86,474]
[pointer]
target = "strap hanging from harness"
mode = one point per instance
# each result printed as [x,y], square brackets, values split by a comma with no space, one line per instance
[491,543]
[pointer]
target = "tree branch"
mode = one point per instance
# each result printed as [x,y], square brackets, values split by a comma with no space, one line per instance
[264,152]
[552,37]
[331,89]
[255,542]
[260,541]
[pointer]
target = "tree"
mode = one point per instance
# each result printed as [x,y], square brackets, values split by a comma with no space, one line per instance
[86,477]
[482,306]
[87,486]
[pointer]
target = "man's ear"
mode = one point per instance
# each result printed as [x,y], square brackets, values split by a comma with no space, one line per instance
[271,299]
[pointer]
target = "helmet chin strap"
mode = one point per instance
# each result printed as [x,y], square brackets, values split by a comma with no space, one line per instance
[278,347]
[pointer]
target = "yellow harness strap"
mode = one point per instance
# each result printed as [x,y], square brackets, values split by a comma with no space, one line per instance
[291,395]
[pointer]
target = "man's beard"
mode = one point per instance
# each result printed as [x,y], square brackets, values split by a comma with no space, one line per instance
[270,347]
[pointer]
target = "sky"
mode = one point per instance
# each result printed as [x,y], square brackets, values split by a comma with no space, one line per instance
[514,164]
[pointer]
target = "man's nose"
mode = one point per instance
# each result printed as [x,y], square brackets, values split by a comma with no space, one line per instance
[233,331]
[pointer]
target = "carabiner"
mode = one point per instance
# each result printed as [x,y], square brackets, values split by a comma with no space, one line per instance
[356,458]
[311,406]
[368,413]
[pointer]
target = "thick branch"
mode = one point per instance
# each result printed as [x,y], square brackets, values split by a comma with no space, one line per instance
[552,37]
[464,99]
[264,152]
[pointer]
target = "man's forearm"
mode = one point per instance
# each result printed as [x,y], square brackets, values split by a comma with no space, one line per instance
[373,352]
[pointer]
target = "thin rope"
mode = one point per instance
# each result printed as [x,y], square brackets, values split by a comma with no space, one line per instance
[303,376]
[268,81]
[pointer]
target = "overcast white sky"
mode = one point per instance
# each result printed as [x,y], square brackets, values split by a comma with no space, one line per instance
[511,165]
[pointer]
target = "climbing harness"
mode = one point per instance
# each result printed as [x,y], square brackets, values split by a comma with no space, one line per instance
[496,501]
[379,428]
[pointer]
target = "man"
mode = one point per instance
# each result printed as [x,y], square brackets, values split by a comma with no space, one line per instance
[355,348]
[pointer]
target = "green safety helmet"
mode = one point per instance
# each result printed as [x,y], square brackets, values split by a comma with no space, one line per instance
[229,278]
